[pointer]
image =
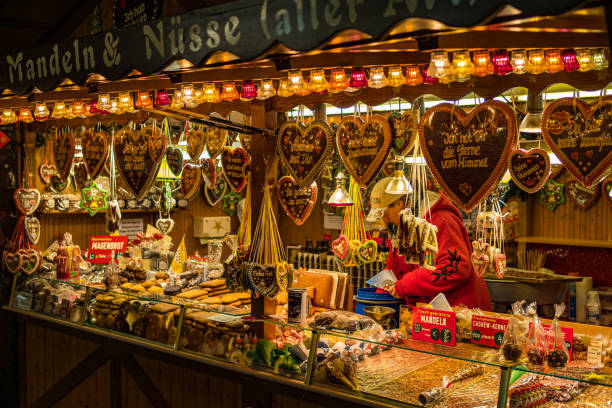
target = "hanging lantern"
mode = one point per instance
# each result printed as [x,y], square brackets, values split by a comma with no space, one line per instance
[41,112]
[413,75]
[396,77]
[377,78]
[187,94]
[340,197]
[483,65]
[144,100]
[94,110]
[125,102]
[570,62]
[59,110]
[103,101]
[518,61]
[338,81]
[358,78]
[8,116]
[428,79]
[583,56]
[440,66]
[211,93]
[25,115]
[501,62]
[318,82]
[115,106]
[398,184]
[229,92]
[266,89]
[162,99]
[248,91]
[78,109]
[536,64]
[198,95]
[553,61]
[68,114]
[296,81]
[463,67]
[284,89]
[599,59]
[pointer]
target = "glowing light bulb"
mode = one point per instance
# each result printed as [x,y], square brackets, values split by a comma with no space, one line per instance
[187,94]
[396,77]
[553,61]
[284,89]
[519,61]
[266,89]
[229,92]
[115,106]
[144,100]
[536,64]
[8,116]
[103,101]
[358,78]
[599,59]
[126,103]
[463,67]
[377,78]
[41,112]
[78,109]
[59,110]
[413,75]
[440,66]
[25,115]
[248,91]
[483,65]
[318,82]
[501,62]
[211,93]
[570,62]
[583,56]
[338,80]
[162,99]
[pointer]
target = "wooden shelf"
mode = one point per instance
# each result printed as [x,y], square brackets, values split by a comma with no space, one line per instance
[131,210]
[563,241]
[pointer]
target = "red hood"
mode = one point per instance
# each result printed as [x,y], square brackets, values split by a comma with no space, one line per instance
[444,204]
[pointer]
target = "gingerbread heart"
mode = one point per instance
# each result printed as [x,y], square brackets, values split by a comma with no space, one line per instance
[196,140]
[341,247]
[190,180]
[583,197]
[79,170]
[262,278]
[529,169]
[367,251]
[156,141]
[389,167]
[500,265]
[27,200]
[364,146]
[12,260]
[45,171]
[305,150]
[245,141]
[468,152]
[215,141]
[579,134]
[134,161]
[174,158]
[232,163]
[32,229]
[58,184]
[63,152]
[164,225]
[606,190]
[481,263]
[95,151]
[555,170]
[404,128]
[215,195]
[29,260]
[297,201]
[209,172]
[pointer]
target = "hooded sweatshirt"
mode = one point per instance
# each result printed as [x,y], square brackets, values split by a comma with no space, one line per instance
[454,274]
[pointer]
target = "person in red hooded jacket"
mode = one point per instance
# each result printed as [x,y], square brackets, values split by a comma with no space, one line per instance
[454,274]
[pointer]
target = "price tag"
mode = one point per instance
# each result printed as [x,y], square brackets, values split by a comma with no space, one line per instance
[488,331]
[102,246]
[433,326]
[594,352]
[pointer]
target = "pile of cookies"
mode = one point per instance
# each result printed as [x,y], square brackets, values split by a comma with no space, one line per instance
[151,286]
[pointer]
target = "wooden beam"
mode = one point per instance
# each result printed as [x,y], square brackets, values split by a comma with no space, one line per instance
[143,381]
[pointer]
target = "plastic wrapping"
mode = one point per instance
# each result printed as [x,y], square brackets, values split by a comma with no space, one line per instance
[515,337]
[557,350]
[536,339]
[344,321]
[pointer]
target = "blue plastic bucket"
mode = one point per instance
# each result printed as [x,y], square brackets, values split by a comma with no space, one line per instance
[369,297]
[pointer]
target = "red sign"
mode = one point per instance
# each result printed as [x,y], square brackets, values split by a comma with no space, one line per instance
[4,139]
[488,331]
[102,246]
[433,326]
[568,337]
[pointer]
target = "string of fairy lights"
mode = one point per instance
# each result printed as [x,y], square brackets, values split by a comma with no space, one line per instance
[441,69]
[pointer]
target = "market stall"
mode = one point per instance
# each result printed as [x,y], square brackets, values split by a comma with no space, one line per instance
[277,203]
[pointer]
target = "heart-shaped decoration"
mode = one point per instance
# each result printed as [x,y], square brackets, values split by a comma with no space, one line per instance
[156,141]
[500,265]
[174,158]
[79,170]
[245,141]
[262,278]
[468,152]
[481,263]
[341,247]
[63,152]
[27,200]
[606,190]
[190,180]
[215,141]
[367,251]
[45,171]
[32,229]
[580,135]
[555,170]
[232,163]
[95,151]
[305,150]
[364,146]
[529,169]
[12,260]
[209,172]
[405,131]
[58,185]
[134,161]
[215,195]
[196,140]
[297,201]
[389,167]
[583,197]
[164,225]
[29,260]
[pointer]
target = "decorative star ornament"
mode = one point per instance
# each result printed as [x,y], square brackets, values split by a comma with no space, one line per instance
[552,194]
[230,203]
[93,199]
[218,226]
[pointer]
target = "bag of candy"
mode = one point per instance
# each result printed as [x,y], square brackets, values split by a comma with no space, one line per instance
[557,350]
[536,337]
[514,338]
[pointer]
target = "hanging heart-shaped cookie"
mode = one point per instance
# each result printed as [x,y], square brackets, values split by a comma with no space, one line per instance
[215,195]
[209,172]
[367,251]
[305,150]
[262,278]
[46,171]
[580,135]
[341,248]
[11,261]
[58,185]
[95,151]
[555,170]
[468,152]
[606,190]
[364,146]
[190,180]
[529,169]
[215,141]
[405,131]
[164,225]
[232,163]
[29,260]
[500,265]
[63,152]
[245,141]
[389,167]
[196,140]
[79,171]
[27,200]
[32,229]
[156,140]
[174,158]
[583,197]
[134,161]
[297,201]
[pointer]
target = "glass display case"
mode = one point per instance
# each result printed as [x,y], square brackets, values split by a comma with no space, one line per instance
[366,360]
